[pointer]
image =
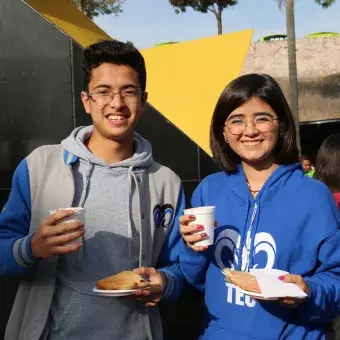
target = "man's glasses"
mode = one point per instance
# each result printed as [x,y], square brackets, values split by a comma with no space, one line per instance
[262,123]
[105,97]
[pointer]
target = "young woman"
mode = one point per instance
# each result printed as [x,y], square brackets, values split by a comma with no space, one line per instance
[270,215]
[327,166]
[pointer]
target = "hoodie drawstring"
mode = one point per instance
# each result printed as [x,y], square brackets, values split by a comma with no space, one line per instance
[132,175]
[81,204]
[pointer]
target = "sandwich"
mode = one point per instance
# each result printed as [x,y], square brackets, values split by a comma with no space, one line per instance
[243,280]
[125,280]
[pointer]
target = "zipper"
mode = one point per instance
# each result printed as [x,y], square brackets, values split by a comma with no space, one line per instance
[246,251]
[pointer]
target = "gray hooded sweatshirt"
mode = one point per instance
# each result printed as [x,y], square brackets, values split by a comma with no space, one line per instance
[111,244]
[132,211]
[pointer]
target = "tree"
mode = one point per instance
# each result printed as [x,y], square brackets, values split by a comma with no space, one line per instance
[203,6]
[292,67]
[93,8]
[325,3]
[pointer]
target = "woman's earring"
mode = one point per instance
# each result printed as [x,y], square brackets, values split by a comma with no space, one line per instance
[226,140]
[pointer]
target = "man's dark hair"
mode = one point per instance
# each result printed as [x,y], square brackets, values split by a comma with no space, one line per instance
[238,92]
[305,158]
[114,52]
[327,166]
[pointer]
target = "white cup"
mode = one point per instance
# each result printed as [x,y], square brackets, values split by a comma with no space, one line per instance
[205,216]
[79,215]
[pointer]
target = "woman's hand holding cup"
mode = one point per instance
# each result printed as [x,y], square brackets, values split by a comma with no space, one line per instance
[197,227]
[189,232]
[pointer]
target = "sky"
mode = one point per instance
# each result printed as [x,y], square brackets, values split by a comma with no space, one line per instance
[149,22]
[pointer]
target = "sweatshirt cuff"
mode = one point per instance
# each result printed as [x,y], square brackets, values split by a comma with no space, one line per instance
[22,252]
[189,251]
[169,285]
[311,311]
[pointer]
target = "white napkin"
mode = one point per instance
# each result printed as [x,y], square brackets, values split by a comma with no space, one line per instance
[272,287]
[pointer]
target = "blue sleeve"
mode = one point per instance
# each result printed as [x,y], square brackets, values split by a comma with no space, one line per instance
[15,240]
[324,297]
[194,264]
[169,257]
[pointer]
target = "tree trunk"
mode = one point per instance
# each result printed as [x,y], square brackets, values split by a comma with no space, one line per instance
[293,82]
[219,21]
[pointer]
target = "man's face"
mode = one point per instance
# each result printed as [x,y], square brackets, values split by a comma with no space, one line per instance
[114,100]
[306,165]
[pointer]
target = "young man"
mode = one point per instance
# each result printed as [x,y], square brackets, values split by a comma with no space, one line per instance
[131,206]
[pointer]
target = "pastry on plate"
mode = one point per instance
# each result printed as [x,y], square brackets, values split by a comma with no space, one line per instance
[125,280]
[244,280]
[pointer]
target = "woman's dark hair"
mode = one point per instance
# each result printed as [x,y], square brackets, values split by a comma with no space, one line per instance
[327,166]
[114,52]
[238,92]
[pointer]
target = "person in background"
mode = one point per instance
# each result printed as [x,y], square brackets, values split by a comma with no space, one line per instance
[307,165]
[130,202]
[270,215]
[327,166]
[327,170]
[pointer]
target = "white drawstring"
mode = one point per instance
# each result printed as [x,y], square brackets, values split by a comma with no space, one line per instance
[81,204]
[140,220]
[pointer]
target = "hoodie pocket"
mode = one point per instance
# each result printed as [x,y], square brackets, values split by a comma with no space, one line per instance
[216,332]
[65,315]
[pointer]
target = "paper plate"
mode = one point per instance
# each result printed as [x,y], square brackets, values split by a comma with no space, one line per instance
[116,293]
[254,295]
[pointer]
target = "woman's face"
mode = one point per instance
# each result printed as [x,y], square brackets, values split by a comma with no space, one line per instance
[252,131]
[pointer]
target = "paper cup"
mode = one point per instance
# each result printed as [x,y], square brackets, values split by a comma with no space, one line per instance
[205,216]
[79,215]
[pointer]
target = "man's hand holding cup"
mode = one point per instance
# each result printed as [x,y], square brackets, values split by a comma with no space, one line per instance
[59,234]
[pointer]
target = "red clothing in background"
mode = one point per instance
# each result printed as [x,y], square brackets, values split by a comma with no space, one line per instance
[337,198]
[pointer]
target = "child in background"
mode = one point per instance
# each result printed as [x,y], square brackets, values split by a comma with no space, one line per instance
[307,165]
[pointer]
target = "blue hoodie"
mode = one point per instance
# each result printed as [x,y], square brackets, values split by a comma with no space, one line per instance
[292,225]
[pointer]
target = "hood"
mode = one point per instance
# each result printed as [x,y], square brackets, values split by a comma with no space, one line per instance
[276,181]
[74,144]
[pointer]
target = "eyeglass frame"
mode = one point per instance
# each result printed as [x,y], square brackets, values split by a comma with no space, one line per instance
[246,121]
[90,95]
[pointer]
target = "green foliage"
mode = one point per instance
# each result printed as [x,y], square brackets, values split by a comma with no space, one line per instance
[202,5]
[323,3]
[93,8]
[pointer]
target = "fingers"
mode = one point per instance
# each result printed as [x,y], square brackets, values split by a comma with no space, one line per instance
[290,278]
[192,233]
[151,299]
[290,302]
[66,238]
[196,248]
[57,216]
[186,219]
[62,228]
[143,293]
[192,239]
[63,250]
[296,279]
[145,271]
